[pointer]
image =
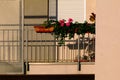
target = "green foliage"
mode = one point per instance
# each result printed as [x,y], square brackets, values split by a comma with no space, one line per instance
[63,29]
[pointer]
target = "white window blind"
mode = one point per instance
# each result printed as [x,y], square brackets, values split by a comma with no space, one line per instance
[72,9]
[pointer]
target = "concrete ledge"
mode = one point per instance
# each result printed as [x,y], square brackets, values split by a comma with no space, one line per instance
[63,69]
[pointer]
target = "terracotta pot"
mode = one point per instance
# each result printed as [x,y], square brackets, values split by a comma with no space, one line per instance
[41,29]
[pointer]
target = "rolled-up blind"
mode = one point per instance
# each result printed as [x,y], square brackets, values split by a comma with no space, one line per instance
[72,9]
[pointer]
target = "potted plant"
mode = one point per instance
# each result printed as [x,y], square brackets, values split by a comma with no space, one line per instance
[63,29]
[46,27]
[67,28]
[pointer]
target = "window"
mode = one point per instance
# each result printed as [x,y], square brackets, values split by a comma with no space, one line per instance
[38,11]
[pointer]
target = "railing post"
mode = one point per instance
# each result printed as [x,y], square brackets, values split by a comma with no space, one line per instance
[79,63]
[26,67]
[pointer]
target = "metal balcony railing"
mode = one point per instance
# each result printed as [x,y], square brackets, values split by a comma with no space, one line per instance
[43,48]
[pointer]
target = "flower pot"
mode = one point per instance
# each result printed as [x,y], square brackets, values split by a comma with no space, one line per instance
[41,29]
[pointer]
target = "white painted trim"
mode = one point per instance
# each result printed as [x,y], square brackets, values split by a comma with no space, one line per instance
[82,63]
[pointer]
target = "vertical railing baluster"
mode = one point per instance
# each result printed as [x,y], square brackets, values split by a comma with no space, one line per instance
[89,46]
[18,59]
[0,53]
[83,44]
[37,46]
[26,46]
[31,45]
[13,50]
[73,53]
[3,45]
[8,46]
[36,52]
[48,53]
[57,56]
[62,53]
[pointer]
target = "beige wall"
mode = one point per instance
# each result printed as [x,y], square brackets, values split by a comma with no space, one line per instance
[108,40]
[9,12]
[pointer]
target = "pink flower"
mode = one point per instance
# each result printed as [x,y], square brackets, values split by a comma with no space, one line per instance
[62,24]
[68,24]
[70,20]
[62,21]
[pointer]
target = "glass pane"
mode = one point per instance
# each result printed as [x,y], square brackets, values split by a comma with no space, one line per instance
[36,11]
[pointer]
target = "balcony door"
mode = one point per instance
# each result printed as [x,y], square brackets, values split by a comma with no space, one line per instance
[39,47]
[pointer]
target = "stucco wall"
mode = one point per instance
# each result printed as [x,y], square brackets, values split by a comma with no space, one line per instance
[108,40]
[9,12]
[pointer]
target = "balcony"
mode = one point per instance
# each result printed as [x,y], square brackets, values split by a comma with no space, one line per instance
[42,52]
